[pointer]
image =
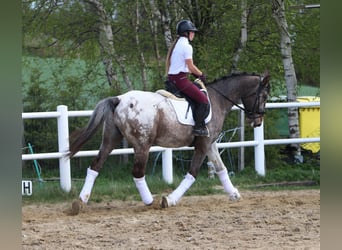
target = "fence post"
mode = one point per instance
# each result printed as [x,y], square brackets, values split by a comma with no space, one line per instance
[241,157]
[259,150]
[63,147]
[167,165]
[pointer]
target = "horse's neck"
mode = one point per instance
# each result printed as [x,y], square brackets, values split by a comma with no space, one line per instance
[233,91]
[223,99]
[243,86]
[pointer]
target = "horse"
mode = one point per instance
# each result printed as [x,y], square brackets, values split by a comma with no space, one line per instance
[147,118]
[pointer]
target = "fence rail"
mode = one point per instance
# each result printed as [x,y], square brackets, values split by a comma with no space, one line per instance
[62,114]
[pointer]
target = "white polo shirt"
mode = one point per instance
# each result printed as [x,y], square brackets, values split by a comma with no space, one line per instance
[181,52]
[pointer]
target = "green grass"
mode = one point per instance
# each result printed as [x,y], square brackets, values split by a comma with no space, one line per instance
[119,185]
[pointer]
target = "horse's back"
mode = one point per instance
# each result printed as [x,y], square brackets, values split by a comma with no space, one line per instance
[141,97]
[141,105]
[150,117]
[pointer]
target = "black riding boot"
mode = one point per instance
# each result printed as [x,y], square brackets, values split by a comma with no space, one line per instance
[201,112]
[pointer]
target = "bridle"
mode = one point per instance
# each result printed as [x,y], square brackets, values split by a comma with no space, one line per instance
[254,114]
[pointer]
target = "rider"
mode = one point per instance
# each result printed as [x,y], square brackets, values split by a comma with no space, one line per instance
[179,64]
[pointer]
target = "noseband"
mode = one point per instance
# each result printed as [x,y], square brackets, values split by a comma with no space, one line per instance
[250,114]
[255,113]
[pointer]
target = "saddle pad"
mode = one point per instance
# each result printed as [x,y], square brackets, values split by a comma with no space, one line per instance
[184,112]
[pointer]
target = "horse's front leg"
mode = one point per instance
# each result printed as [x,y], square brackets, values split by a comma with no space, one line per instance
[189,179]
[138,172]
[222,173]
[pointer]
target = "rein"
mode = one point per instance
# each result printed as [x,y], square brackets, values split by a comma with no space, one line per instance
[250,113]
[240,107]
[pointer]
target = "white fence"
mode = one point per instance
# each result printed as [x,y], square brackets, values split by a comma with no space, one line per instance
[62,114]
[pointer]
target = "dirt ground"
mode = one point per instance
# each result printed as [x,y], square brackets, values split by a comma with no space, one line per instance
[261,220]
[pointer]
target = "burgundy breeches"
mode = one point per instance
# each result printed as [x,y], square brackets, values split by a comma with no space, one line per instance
[187,87]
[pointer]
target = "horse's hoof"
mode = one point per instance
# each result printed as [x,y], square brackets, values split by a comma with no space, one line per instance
[167,202]
[149,204]
[76,207]
[164,203]
[235,196]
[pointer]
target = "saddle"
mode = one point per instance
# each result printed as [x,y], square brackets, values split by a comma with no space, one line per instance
[182,104]
[170,95]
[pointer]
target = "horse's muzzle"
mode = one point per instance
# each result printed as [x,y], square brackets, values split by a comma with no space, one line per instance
[256,122]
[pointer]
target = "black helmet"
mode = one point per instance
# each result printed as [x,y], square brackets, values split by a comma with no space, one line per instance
[185,25]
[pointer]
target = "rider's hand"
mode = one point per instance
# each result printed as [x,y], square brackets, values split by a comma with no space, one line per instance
[203,78]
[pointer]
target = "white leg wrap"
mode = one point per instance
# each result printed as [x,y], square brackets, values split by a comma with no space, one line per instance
[227,185]
[175,196]
[88,185]
[144,191]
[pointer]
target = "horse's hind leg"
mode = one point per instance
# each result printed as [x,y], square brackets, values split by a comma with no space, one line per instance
[140,161]
[222,173]
[110,138]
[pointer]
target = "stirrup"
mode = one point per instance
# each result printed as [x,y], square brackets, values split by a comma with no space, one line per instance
[204,131]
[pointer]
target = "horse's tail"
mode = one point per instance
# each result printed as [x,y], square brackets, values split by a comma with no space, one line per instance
[102,110]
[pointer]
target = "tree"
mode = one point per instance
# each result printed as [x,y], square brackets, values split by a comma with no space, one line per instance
[278,9]
[106,42]
[304,26]
[243,35]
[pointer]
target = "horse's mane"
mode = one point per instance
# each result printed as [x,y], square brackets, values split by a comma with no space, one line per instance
[233,75]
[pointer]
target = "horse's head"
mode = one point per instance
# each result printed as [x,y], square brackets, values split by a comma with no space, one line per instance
[255,102]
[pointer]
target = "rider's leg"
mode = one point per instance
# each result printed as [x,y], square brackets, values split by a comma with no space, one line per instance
[200,113]
[201,110]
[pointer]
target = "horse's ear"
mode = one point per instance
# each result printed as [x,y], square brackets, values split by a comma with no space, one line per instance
[266,77]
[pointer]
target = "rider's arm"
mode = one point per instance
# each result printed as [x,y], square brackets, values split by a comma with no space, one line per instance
[192,67]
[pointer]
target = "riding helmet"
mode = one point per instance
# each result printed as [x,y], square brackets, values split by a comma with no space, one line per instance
[184,26]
